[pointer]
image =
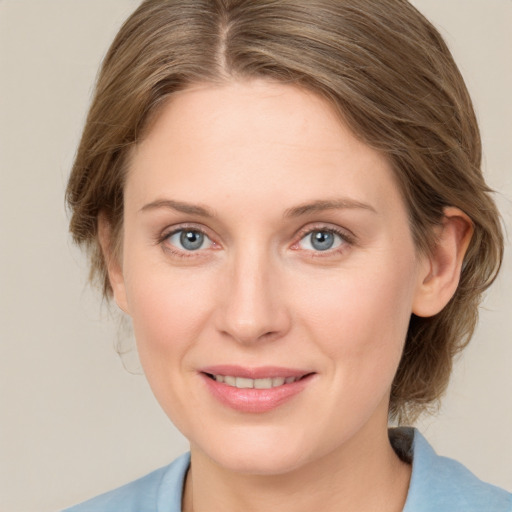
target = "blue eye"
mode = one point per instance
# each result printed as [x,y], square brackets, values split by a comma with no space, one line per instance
[321,240]
[189,240]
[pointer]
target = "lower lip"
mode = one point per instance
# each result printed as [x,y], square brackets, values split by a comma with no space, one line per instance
[255,400]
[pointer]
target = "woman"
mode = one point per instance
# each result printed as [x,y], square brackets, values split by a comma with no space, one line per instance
[286,198]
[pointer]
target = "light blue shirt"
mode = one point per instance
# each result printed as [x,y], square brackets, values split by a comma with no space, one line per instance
[438,484]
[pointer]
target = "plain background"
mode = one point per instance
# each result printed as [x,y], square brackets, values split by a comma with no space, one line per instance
[74,422]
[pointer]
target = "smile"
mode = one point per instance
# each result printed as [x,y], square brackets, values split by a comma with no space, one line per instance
[255,390]
[247,383]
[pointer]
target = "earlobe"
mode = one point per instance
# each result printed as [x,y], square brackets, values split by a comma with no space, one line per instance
[112,261]
[442,268]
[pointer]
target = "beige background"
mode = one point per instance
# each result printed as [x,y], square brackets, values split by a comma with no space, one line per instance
[73,421]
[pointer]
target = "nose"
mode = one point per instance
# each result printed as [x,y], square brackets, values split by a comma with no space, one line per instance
[253,306]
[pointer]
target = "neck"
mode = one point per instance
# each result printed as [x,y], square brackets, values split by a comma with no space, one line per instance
[363,474]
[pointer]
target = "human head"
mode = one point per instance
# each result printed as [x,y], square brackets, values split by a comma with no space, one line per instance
[383,68]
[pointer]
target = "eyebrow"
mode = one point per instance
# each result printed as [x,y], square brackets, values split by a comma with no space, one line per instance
[296,211]
[191,209]
[322,205]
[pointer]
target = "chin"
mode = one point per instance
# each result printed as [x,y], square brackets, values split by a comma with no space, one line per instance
[262,463]
[263,451]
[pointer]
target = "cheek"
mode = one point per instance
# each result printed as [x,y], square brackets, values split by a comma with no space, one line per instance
[169,311]
[168,308]
[360,318]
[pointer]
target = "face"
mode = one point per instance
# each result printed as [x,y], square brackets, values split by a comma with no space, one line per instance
[270,273]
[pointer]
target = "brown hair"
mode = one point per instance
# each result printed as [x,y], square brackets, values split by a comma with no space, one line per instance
[388,73]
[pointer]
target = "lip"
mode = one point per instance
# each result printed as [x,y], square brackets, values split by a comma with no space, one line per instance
[260,372]
[255,400]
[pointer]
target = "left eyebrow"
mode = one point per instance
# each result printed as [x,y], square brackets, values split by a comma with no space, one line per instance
[188,208]
[322,205]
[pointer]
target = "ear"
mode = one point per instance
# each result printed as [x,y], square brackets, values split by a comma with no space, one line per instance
[113,261]
[441,270]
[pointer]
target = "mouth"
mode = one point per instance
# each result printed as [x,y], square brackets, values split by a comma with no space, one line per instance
[248,383]
[255,390]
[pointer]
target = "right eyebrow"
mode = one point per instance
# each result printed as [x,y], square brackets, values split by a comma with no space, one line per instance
[179,206]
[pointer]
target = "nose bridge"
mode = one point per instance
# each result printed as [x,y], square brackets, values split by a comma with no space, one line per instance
[253,304]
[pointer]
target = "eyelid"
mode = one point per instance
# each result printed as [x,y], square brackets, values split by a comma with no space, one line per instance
[174,229]
[346,235]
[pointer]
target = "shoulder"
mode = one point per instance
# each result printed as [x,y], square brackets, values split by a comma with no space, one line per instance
[163,486]
[441,484]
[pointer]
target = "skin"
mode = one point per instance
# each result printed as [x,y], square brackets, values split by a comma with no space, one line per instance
[258,293]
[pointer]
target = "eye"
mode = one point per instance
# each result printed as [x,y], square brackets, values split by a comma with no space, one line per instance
[321,240]
[189,240]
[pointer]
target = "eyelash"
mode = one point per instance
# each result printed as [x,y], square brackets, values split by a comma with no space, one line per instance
[346,237]
[161,240]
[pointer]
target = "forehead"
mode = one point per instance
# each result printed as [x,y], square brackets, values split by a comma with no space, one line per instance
[259,138]
[248,114]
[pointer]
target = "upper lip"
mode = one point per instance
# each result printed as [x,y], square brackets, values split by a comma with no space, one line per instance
[260,372]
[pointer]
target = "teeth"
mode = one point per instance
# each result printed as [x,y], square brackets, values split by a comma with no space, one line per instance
[230,381]
[262,383]
[244,383]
